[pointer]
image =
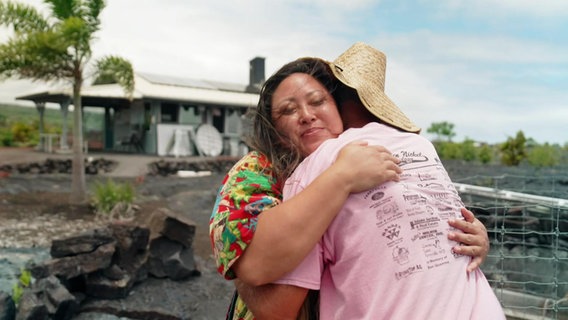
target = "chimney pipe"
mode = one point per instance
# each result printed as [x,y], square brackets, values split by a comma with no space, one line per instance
[257,75]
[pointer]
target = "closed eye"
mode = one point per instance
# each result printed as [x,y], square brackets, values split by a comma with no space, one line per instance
[286,110]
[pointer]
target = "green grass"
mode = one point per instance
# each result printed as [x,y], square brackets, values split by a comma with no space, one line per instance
[52,117]
[19,125]
[107,195]
[15,113]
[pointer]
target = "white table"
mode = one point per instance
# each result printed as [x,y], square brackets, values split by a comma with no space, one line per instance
[46,141]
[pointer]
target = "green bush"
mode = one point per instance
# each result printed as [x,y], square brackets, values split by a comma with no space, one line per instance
[107,195]
[24,281]
[485,154]
[513,151]
[448,150]
[468,150]
[24,134]
[544,156]
[6,137]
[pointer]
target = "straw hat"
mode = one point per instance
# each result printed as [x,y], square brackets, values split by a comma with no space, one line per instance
[363,68]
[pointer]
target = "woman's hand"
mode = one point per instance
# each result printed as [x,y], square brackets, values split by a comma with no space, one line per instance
[474,241]
[364,167]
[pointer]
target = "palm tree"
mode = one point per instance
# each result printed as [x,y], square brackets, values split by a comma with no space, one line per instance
[58,47]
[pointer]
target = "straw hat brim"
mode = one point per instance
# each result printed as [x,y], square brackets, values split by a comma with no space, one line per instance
[362,68]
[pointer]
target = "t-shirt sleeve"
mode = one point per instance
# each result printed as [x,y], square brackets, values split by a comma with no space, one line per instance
[248,189]
[308,273]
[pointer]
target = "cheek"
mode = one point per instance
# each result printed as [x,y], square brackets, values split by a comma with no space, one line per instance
[280,125]
[336,123]
[285,127]
[338,127]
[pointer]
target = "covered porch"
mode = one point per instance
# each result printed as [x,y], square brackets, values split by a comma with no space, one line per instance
[162,118]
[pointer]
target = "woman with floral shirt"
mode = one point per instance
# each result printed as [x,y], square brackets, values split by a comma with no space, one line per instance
[249,201]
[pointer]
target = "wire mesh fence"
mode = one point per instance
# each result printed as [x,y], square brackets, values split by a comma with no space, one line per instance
[528,228]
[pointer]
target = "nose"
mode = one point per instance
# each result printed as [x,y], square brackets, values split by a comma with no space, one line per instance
[306,114]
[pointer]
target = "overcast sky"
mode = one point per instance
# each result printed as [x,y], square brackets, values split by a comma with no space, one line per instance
[491,67]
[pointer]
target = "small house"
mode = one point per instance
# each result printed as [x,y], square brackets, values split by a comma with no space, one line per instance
[165,116]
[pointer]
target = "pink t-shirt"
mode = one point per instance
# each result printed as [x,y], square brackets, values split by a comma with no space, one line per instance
[386,255]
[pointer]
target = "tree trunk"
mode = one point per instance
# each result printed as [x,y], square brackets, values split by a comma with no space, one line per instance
[78,184]
[64,141]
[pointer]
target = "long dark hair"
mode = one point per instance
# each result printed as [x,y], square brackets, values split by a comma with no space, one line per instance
[283,153]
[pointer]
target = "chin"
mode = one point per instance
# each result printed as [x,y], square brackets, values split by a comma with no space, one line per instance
[306,152]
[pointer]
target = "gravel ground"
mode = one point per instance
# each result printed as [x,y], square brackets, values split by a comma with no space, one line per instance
[33,211]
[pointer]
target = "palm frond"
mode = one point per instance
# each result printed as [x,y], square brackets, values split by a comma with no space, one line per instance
[22,18]
[77,34]
[63,9]
[113,69]
[95,8]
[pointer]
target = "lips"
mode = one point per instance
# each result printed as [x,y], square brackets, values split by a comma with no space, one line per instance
[310,132]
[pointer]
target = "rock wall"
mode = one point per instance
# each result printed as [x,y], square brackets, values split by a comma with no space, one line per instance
[88,270]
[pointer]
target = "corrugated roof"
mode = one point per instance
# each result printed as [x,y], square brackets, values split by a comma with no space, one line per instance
[192,83]
[195,94]
[149,86]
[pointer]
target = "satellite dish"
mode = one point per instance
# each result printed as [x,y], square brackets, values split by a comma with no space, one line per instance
[208,140]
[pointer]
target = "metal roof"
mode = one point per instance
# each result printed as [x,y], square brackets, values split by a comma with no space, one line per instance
[159,87]
[192,83]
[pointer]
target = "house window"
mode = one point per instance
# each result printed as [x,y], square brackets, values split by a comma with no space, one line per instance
[169,113]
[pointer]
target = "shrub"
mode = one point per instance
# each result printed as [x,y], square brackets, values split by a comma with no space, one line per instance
[485,154]
[6,137]
[468,150]
[448,150]
[544,156]
[24,134]
[513,151]
[108,195]
[24,281]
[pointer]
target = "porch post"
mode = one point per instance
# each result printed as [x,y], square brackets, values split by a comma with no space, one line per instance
[64,142]
[40,107]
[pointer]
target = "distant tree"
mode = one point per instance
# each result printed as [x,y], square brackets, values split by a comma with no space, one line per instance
[485,154]
[564,154]
[448,150]
[58,47]
[468,150]
[513,151]
[442,129]
[544,155]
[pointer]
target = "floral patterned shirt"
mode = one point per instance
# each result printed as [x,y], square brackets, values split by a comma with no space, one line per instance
[248,189]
